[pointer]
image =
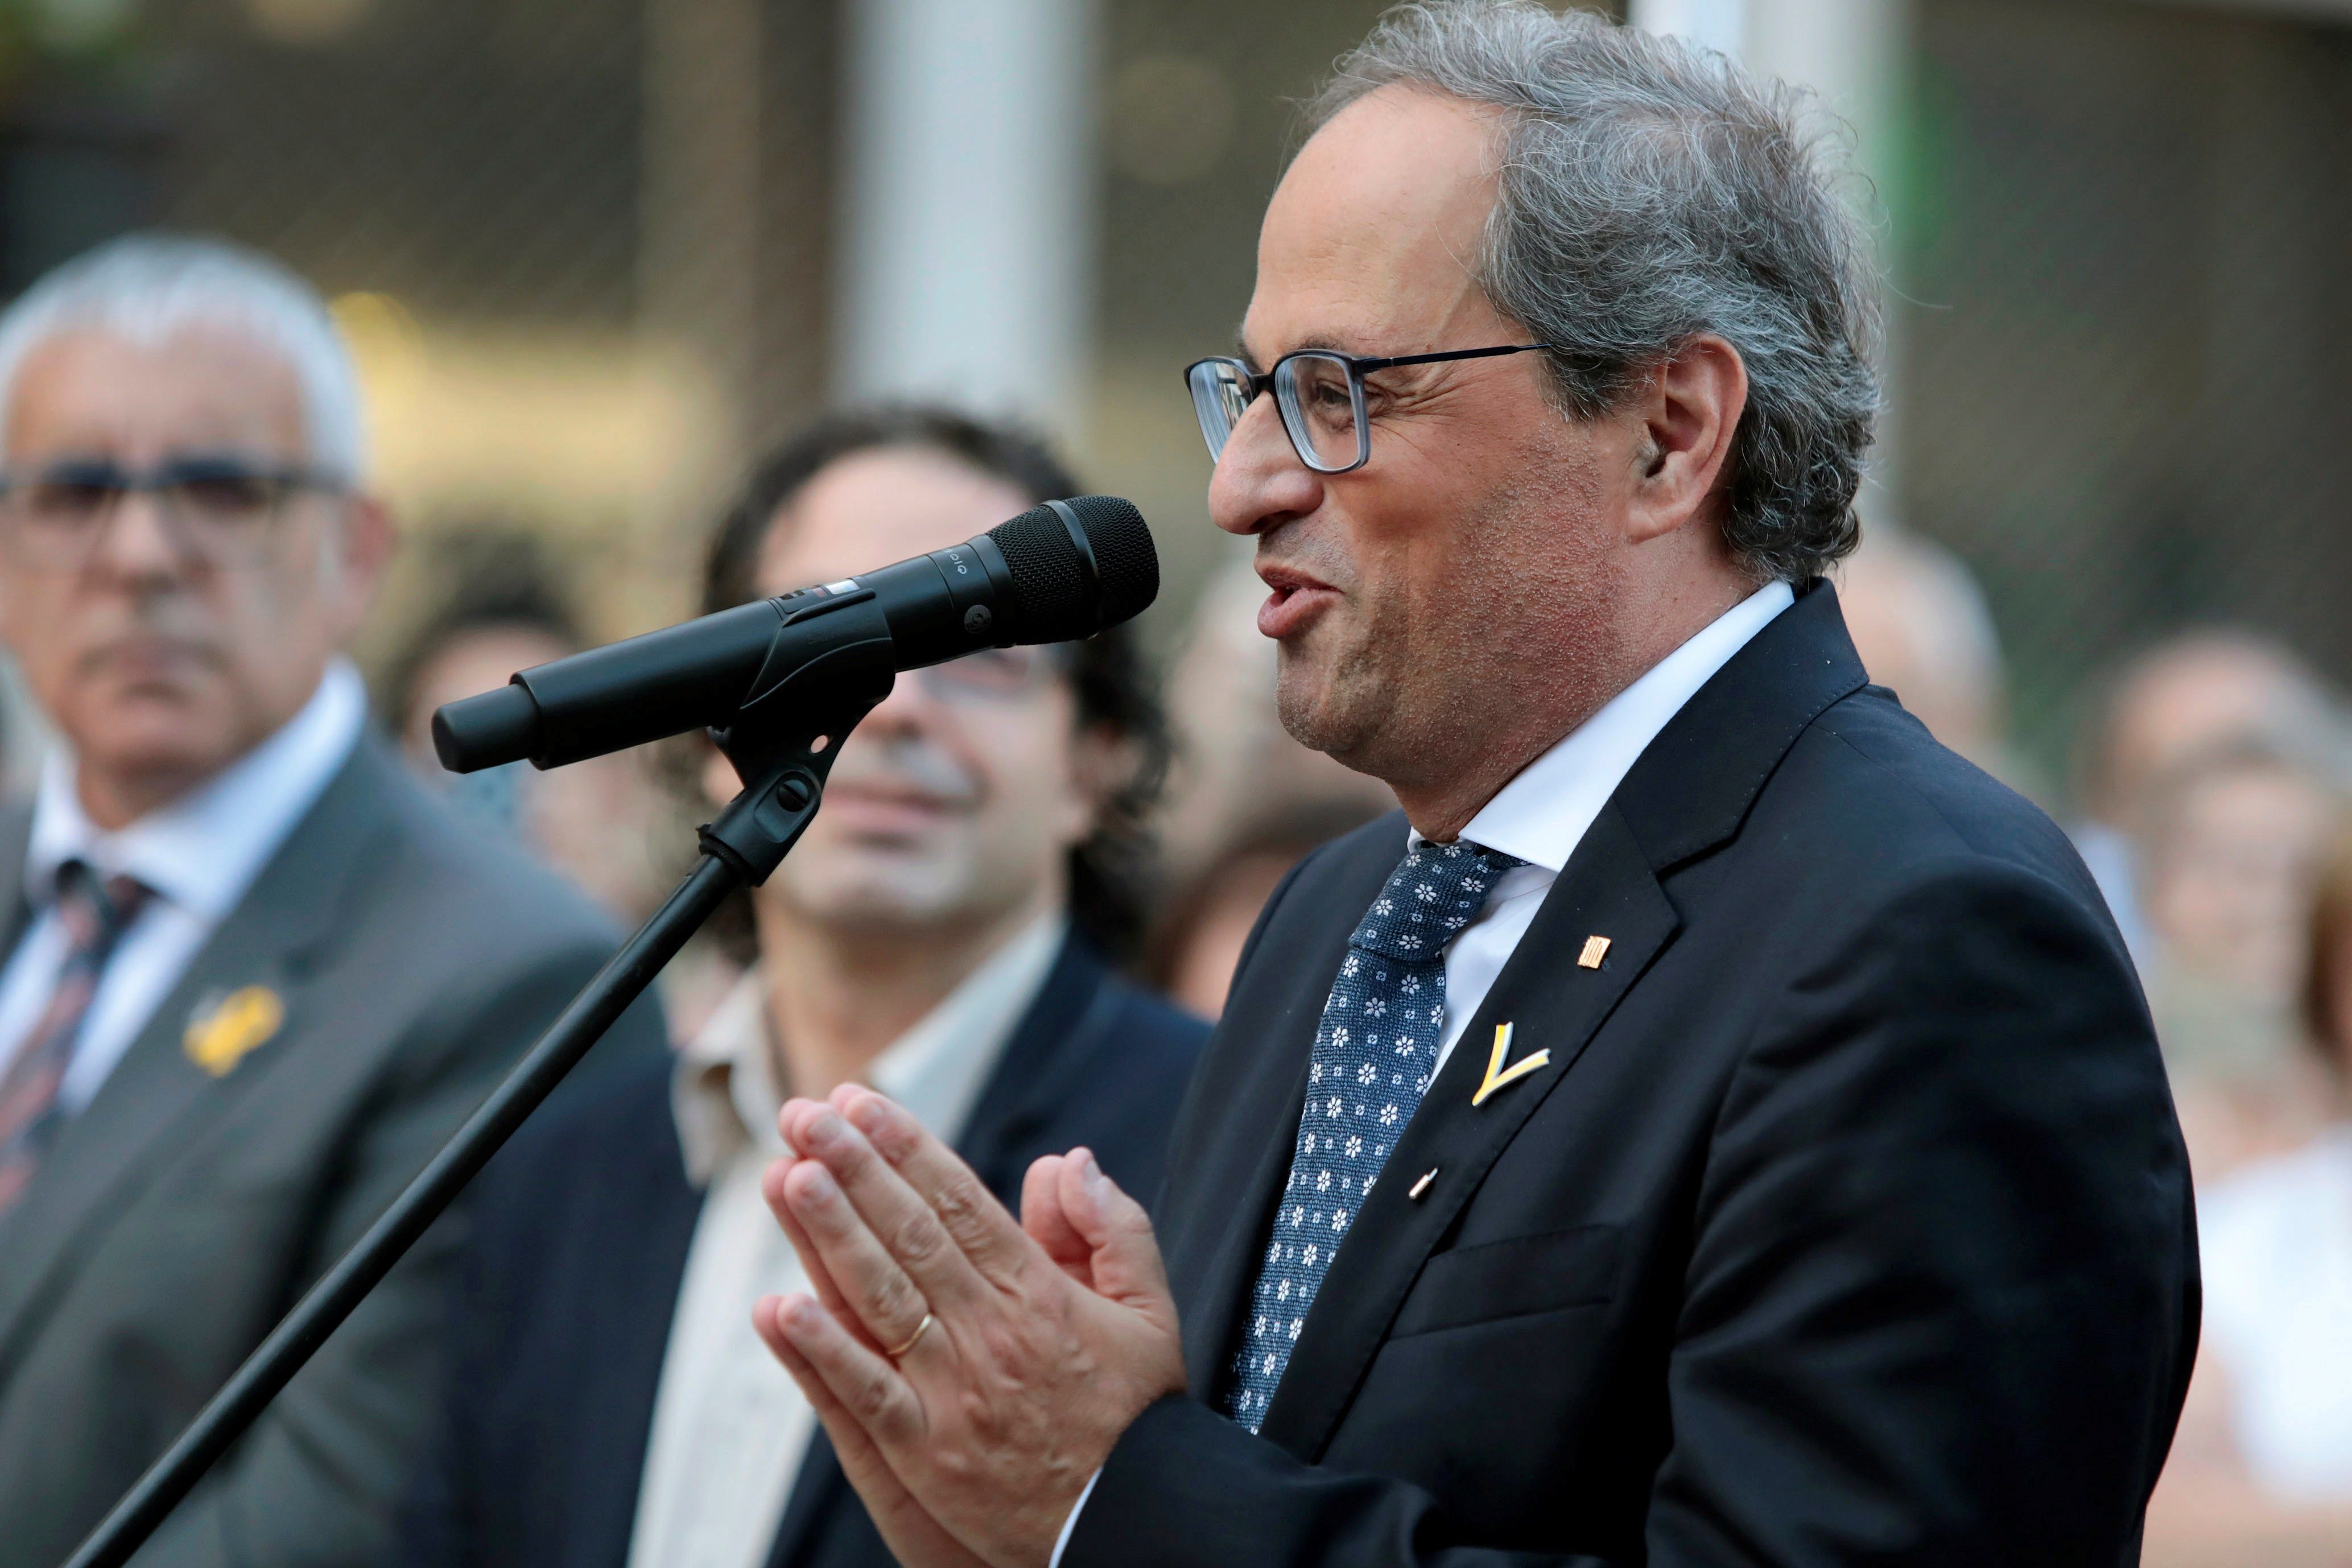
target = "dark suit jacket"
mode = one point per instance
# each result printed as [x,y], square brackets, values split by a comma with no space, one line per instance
[1849,1224]
[582,1229]
[181,1214]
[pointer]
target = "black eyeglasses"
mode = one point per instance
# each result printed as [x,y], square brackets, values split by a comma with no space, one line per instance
[219,508]
[1319,393]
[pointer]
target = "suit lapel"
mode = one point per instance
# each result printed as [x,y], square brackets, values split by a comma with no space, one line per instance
[1217,1231]
[1553,1006]
[15,843]
[156,1099]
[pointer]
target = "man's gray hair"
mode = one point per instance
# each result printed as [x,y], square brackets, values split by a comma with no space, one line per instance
[1651,193]
[148,287]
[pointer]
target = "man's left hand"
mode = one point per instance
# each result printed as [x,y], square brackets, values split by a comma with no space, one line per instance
[1021,1353]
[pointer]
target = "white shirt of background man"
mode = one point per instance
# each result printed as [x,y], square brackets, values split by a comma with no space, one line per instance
[729,1426]
[1541,816]
[197,855]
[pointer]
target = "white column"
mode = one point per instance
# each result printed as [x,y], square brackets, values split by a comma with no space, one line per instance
[966,265]
[1716,24]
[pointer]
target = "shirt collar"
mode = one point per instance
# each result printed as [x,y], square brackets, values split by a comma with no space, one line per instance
[1542,814]
[725,1093]
[200,851]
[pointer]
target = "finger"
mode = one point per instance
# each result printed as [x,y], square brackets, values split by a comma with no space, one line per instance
[982,1231]
[866,1385]
[913,1536]
[813,1264]
[876,1293]
[1048,1223]
[907,1226]
[1126,1258]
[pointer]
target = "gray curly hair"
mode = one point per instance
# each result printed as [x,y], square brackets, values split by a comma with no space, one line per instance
[1651,193]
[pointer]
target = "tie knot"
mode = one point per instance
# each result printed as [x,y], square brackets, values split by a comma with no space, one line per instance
[1433,892]
[96,909]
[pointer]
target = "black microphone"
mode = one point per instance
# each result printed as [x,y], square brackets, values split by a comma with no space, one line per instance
[1058,571]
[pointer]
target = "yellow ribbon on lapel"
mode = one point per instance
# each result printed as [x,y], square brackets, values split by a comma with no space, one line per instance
[219,1039]
[1497,1074]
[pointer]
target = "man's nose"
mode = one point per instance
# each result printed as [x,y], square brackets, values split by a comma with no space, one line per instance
[1259,479]
[907,711]
[137,542]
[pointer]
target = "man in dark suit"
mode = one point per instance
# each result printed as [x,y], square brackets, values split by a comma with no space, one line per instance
[253,977]
[939,932]
[1713,1125]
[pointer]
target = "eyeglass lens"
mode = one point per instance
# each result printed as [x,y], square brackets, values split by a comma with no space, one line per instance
[1317,400]
[1220,395]
[990,674]
[1314,393]
[220,505]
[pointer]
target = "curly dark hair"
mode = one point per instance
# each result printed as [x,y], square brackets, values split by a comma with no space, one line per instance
[1110,870]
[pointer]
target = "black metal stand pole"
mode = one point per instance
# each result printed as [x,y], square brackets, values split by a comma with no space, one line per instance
[788,760]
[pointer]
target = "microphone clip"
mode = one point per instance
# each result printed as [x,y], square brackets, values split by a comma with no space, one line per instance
[785,736]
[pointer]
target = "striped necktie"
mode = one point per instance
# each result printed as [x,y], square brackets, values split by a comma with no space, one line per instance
[1374,1053]
[95,912]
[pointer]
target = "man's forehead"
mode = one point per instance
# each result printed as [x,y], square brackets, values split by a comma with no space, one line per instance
[1375,228]
[880,505]
[201,382]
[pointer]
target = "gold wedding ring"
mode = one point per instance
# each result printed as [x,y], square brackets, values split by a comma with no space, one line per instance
[920,1330]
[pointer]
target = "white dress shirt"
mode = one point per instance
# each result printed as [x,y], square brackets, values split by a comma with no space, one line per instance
[198,856]
[1542,816]
[730,1425]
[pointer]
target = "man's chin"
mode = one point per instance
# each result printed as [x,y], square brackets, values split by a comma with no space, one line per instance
[146,736]
[1322,713]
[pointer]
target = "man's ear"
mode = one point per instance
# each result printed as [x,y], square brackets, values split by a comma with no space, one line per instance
[1689,409]
[366,538]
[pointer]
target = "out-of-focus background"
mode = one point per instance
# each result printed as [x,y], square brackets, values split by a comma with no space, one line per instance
[593,255]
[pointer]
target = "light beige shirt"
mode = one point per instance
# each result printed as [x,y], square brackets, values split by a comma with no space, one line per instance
[729,1426]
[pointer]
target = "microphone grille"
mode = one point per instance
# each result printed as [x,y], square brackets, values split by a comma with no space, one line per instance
[1049,577]
[1126,564]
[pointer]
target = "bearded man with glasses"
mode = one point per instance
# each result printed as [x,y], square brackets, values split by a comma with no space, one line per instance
[253,977]
[1711,1124]
[940,932]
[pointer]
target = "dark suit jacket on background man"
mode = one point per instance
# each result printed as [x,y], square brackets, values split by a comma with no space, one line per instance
[1853,1178]
[181,1213]
[568,1287]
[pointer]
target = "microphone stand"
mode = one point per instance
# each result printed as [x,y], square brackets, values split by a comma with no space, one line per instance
[783,741]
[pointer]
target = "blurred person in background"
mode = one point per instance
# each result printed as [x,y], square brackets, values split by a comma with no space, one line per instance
[498,610]
[607,823]
[2198,693]
[2232,846]
[254,977]
[1236,767]
[1208,921]
[2260,1475]
[940,932]
[1919,622]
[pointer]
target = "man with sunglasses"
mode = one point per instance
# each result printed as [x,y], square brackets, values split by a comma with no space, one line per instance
[252,978]
[1712,1124]
[940,932]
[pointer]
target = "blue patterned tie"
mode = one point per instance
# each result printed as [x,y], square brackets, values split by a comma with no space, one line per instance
[1374,1053]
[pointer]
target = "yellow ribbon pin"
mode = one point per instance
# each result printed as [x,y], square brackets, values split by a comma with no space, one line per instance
[1497,1074]
[221,1038]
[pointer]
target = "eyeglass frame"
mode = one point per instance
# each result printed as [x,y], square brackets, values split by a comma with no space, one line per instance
[1049,661]
[1259,383]
[157,481]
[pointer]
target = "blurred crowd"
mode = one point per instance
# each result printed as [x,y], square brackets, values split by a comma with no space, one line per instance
[184,556]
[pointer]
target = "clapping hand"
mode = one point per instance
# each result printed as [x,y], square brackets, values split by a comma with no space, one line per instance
[972,1371]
